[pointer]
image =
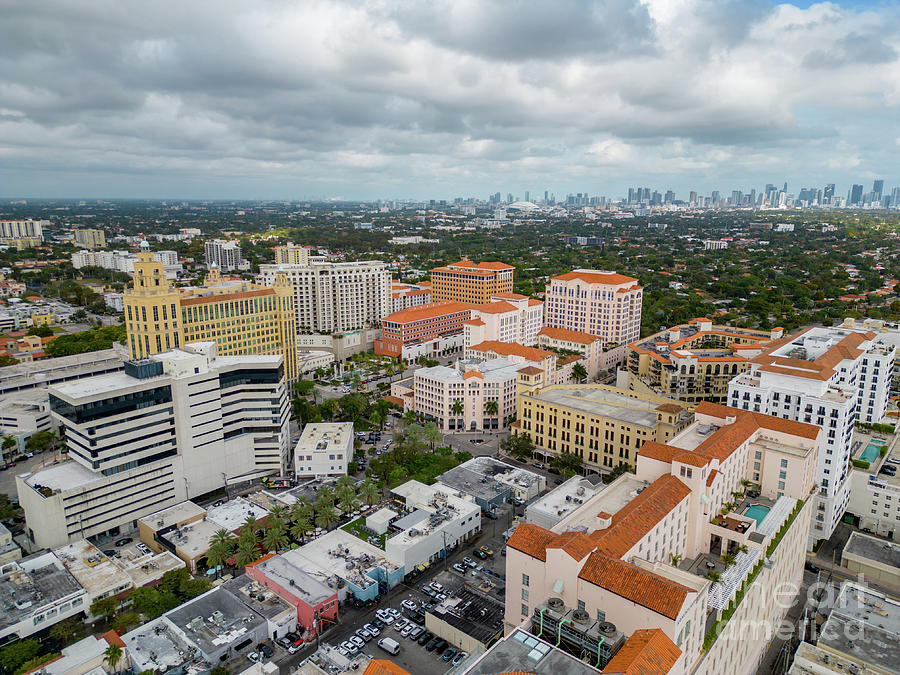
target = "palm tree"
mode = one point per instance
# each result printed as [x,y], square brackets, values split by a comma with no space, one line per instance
[223,539]
[491,408]
[432,434]
[368,491]
[112,656]
[275,523]
[246,553]
[728,559]
[346,497]
[376,419]
[250,525]
[275,539]
[457,407]
[675,558]
[579,373]
[278,512]
[302,509]
[8,444]
[345,481]
[300,528]
[325,519]
[217,556]
[409,417]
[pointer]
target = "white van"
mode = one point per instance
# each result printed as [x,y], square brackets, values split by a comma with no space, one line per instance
[389,645]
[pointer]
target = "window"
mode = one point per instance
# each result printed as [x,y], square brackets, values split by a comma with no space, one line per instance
[781,485]
[581,605]
[525,594]
[601,615]
[525,580]
[524,610]
[783,463]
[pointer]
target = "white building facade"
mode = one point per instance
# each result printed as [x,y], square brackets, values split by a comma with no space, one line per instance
[335,297]
[816,377]
[509,317]
[226,255]
[324,449]
[168,428]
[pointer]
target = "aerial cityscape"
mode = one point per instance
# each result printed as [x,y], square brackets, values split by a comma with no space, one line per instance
[450,338]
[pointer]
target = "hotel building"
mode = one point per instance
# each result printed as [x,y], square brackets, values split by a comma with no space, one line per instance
[22,229]
[508,317]
[605,304]
[334,297]
[474,283]
[423,331]
[602,425]
[168,428]
[240,317]
[485,392]
[649,550]
[830,377]
[693,362]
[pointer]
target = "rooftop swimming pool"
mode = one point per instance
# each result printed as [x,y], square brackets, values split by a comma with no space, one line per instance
[870,454]
[758,512]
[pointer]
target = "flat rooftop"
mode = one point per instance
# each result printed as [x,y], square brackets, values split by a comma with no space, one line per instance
[560,499]
[260,599]
[486,474]
[476,615]
[91,387]
[31,583]
[156,646]
[866,625]
[173,515]
[611,500]
[339,553]
[232,514]
[67,475]
[329,434]
[93,570]
[148,568]
[522,652]
[287,574]
[874,549]
[193,539]
[602,402]
[214,619]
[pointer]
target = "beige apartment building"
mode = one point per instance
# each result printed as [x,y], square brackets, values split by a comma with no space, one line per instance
[695,361]
[602,425]
[90,238]
[670,547]
[601,303]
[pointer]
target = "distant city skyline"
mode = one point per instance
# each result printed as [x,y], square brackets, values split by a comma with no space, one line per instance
[398,99]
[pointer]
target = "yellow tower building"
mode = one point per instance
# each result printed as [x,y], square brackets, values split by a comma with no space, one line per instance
[240,317]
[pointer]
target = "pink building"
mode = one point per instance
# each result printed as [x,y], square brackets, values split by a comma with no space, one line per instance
[316,603]
[639,553]
[589,346]
[605,304]
[509,317]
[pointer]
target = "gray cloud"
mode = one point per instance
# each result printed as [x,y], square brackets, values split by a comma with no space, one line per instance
[404,98]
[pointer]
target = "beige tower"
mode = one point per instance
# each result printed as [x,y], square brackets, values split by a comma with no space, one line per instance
[287,322]
[152,308]
[292,254]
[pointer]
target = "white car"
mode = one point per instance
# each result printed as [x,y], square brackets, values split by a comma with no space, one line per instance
[373,630]
[407,629]
[255,657]
[393,612]
[401,624]
[410,605]
[358,641]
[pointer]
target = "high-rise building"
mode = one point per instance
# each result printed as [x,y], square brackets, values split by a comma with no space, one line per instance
[240,317]
[169,428]
[226,255]
[693,197]
[830,377]
[292,254]
[90,238]
[637,554]
[596,302]
[829,193]
[23,229]
[335,297]
[510,317]
[895,197]
[877,190]
[855,196]
[474,283]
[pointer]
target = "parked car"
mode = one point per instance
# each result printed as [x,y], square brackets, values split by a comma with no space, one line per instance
[810,567]
[142,548]
[418,617]
[441,646]
[479,554]
[393,612]
[362,634]
[123,541]
[539,465]
[409,628]
[436,586]
[468,562]
[503,551]
[425,637]
[416,632]
[378,623]
[374,630]
[357,640]
[432,644]
[410,605]
[265,650]
[518,501]
[255,657]
[554,471]
[486,551]
[449,654]
[459,567]
[459,658]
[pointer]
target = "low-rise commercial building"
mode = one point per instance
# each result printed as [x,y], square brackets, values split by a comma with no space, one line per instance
[557,504]
[98,575]
[468,619]
[86,657]
[637,554]
[146,438]
[9,550]
[604,426]
[694,361]
[425,330]
[873,558]
[324,449]
[437,521]
[468,395]
[491,482]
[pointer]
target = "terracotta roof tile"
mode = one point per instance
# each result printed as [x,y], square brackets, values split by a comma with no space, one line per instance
[384,667]
[472,373]
[597,278]
[428,311]
[531,539]
[568,335]
[576,544]
[509,296]
[648,651]
[530,370]
[393,399]
[642,587]
[483,265]
[511,349]
[499,307]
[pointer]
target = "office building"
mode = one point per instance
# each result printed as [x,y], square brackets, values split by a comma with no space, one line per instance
[855,196]
[427,330]
[694,361]
[168,428]
[830,377]
[473,283]
[239,316]
[334,298]
[508,317]
[225,255]
[90,238]
[874,502]
[605,304]
[25,377]
[404,296]
[22,229]
[595,356]
[639,554]
[324,449]
[468,395]
[604,426]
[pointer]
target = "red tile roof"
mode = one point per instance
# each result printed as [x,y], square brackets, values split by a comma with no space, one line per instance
[531,540]
[568,335]
[499,307]
[511,349]
[428,311]
[509,296]
[482,265]
[648,651]
[384,667]
[576,544]
[597,278]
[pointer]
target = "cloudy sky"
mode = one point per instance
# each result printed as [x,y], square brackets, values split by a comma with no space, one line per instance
[443,98]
